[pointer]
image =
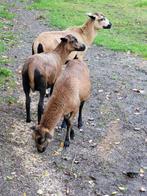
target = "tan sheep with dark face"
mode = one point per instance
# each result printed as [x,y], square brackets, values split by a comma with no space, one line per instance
[40,71]
[71,90]
[47,41]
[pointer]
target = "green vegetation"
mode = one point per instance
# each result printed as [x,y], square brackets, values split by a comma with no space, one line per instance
[5,73]
[128,18]
[6,40]
[6,35]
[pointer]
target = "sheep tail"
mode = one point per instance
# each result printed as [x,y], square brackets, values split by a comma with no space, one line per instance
[37,47]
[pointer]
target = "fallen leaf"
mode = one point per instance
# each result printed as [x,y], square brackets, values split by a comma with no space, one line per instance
[67,190]
[40,192]
[107,97]
[137,109]
[137,129]
[138,90]
[93,145]
[62,144]
[114,193]
[13,173]
[9,177]
[45,173]
[56,153]
[100,91]
[141,171]
[131,174]
[91,183]
[91,119]
[119,98]
[142,189]
[117,143]
[122,188]
[76,162]
[116,91]
[92,178]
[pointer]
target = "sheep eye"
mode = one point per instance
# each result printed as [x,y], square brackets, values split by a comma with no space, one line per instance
[40,140]
[101,19]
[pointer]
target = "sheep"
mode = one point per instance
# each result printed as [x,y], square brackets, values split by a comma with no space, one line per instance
[71,90]
[47,41]
[40,71]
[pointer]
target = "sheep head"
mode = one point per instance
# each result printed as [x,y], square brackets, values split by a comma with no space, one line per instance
[72,44]
[100,21]
[41,137]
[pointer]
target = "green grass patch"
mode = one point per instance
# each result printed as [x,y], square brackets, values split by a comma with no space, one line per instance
[128,18]
[5,72]
[142,3]
[6,40]
[6,36]
[5,75]
[4,13]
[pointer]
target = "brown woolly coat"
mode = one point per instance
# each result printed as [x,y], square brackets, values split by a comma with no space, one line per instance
[72,87]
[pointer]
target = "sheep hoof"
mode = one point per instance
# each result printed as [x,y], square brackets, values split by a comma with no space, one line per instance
[80,125]
[28,120]
[72,134]
[66,144]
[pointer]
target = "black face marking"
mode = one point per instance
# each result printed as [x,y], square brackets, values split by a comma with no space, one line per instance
[74,40]
[108,26]
[101,19]
[39,141]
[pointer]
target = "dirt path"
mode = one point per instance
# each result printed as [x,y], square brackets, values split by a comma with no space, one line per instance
[113,140]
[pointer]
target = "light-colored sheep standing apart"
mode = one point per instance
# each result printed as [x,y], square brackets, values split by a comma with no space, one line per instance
[71,90]
[47,41]
[40,71]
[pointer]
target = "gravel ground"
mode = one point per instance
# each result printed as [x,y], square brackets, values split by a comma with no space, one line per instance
[113,140]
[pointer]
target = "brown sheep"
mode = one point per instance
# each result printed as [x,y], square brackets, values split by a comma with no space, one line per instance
[40,71]
[47,41]
[71,90]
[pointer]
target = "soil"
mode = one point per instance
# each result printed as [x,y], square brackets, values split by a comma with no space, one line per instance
[105,153]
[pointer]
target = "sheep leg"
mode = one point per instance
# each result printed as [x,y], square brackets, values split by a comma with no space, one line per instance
[63,125]
[70,132]
[28,101]
[67,137]
[40,105]
[26,89]
[80,121]
[51,90]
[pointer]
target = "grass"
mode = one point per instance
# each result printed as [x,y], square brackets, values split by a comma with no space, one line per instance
[6,40]
[5,74]
[6,36]
[128,18]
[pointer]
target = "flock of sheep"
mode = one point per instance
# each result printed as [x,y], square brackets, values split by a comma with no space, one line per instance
[57,63]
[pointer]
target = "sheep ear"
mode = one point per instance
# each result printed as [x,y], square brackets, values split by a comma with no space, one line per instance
[91,16]
[63,39]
